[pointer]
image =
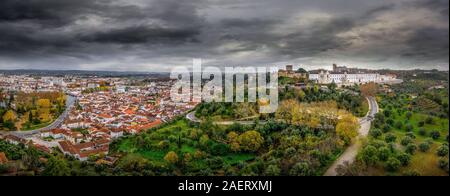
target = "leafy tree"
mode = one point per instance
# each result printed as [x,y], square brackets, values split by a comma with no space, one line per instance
[272,170]
[387,113]
[422,132]
[435,135]
[421,123]
[204,140]
[409,128]
[390,122]
[399,125]
[215,162]
[369,155]
[408,115]
[404,159]
[347,128]
[56,167]
[300,169]
[393,164]
[250,141]
[429,120]
[390,138]
[411,173]
[384,153]
[219,149]
[443,164]
[187,157]
[9,116]
[171,157]
[424,147]
[442,151]
[411,148]
[375,133]
[406,140]
[370,89]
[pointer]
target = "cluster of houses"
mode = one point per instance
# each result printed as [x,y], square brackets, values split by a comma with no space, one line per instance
[100,117]
[25,83]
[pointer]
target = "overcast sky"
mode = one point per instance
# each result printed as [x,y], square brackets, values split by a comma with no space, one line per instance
[155,35]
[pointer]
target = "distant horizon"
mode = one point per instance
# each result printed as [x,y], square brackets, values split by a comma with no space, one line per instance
[166,72]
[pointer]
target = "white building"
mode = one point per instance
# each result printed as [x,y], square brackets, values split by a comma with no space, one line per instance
[326,77]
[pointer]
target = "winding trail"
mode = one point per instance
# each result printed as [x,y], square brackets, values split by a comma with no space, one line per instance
[350,153]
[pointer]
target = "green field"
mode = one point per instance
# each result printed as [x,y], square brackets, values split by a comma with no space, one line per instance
[404,125]
[156,156]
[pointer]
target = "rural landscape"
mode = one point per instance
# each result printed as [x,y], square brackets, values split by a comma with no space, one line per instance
[241,89]
[309,135]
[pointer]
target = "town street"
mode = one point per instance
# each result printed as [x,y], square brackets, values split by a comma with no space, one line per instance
[350,153]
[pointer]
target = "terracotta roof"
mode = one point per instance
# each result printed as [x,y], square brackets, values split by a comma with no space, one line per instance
[83,146]
[105,115]
[68,147]
[15,138]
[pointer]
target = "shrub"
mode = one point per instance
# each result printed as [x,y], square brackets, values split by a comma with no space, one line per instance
[442,151]
[369,155]
[422,132]
[387,113]
[408,115]
[435,135]
[393,164]
[409,128]
[386,128]
[390,122]
[411,148]
[375,133]
[404,159]
[424,147]
[406,140]
[390,138]
[272,170]
[429,120]
[411,135]
[443,164]
[384,153]
[171,157]
[290,152]
[411,173]
[399,125]
[219,149]
[300,169]
[421,123]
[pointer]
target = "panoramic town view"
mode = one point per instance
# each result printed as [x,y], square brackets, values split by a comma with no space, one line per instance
[362,88]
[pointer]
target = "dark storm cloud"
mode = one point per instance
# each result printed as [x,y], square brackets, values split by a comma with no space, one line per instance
[153,34]
[425,45]
[143,35]
[49,12]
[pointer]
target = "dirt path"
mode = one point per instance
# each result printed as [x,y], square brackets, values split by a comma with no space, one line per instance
[350,153]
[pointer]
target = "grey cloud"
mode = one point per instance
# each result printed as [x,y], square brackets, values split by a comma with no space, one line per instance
[143,35]
[108,33]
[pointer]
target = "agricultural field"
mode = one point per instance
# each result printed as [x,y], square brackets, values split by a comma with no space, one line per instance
[409,136]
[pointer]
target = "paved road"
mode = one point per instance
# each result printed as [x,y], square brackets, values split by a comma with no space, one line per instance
[69,105]
[350,153]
